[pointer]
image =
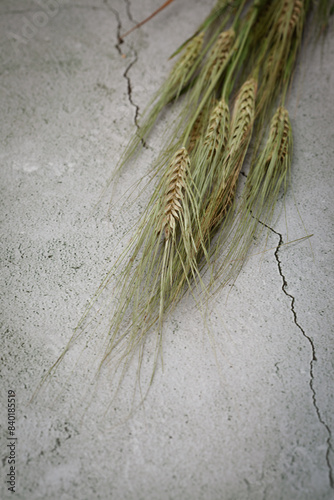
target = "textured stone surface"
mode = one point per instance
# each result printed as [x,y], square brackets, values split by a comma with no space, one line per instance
[250,419]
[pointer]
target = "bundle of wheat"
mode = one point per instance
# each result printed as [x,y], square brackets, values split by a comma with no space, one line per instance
[244,53]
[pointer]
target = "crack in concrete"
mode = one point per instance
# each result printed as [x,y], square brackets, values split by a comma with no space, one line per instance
[130,92]
[314,358]
[128,11]
[134,61]
[119,27]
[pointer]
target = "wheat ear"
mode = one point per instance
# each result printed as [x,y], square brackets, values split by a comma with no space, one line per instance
[290,16]
[220,54]
[273,163]
[207,168]
[202,95]
[183,66]
[198,129]
[241,128]
[280,129]
[218,129]
[174,191]
[243,115]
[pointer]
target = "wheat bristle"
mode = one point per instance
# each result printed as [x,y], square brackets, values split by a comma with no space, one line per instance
[175,191]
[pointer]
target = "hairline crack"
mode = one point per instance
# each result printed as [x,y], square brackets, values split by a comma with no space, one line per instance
[313,359]
[134,60]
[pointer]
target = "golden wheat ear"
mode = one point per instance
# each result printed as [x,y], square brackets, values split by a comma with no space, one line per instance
[161,250]
[174,191]
[217,133]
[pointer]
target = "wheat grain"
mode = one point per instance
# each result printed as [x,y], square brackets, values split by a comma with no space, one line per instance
[174,191]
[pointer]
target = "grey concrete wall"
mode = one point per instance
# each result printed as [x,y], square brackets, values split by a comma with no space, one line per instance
[243,413]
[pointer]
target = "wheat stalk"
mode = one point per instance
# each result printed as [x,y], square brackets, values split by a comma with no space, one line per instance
[174,191]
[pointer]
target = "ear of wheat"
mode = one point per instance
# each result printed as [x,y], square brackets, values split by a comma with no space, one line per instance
[184,67]
[198,129]
[243,117]
[219,55]
[217,133]
[290,17]
[174,191]
[213,149]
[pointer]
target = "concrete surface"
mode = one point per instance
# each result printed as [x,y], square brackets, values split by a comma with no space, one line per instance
[250,419]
